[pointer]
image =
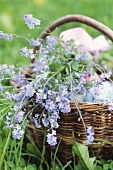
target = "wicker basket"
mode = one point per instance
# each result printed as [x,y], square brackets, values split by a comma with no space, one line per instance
[94,114]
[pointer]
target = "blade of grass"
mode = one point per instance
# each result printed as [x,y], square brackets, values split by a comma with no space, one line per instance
[4,150]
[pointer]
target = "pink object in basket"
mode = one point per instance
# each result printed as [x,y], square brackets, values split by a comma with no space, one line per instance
[84,41]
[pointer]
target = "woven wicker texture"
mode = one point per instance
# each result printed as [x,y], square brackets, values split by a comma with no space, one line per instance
[96,115]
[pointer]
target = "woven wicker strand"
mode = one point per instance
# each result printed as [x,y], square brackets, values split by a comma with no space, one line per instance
[94,114]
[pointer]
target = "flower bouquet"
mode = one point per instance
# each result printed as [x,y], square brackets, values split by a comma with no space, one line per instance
[55,95]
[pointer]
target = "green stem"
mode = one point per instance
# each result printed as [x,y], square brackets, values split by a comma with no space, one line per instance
[77,106]
[4,150]
[75,101]
[20,151]
[53,76]
[20,36]
[11,151]
[5,104]
[7,109]
[43,151]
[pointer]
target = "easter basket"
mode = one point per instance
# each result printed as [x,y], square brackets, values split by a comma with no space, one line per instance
[71,127]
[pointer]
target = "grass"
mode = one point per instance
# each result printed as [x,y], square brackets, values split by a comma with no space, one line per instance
[12,12]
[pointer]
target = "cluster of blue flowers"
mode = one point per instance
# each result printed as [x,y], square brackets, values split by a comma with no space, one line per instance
[7,37]
[31,21]
[27,52]
[36,42]
[51,138]
[51,101]
[82,56]
[56,74]
[90,135]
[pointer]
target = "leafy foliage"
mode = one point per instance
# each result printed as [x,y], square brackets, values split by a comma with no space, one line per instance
[82,152]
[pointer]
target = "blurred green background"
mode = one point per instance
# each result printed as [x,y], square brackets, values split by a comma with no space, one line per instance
[12,12]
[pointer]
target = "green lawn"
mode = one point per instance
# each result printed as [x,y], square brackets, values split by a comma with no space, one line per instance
[12,12]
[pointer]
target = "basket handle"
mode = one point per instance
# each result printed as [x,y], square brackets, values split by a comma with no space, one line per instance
[75,18]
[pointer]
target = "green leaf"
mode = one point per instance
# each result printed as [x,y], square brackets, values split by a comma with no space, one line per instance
[74,66]
[106,166]
[34,166]
[32,149]
[91,161]
[59,76]
[67,164]
[30,167]
[77,167]
[82,165]
[101,161]
[111,165]
[10,164]
[56,65]
[67,70]
[19,168]
[82,152]
[98,168]
[22,162]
